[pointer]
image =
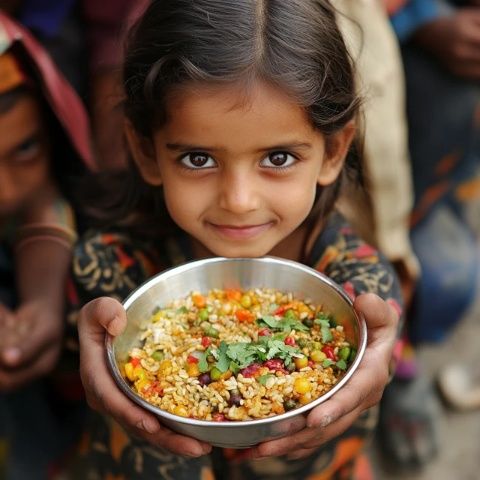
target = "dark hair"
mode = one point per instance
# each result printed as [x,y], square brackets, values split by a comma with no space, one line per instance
[292,44]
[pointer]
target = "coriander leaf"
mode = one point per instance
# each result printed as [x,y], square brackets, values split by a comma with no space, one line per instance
[322,322]
[242,353]
[269,321]
[341,364]
[327,362]
[223,362]
[326,334]
[234,367]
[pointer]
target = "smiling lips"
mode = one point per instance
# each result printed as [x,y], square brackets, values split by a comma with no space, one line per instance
[240,232]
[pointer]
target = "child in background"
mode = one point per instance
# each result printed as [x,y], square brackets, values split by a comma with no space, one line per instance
[39,151]
[240,141]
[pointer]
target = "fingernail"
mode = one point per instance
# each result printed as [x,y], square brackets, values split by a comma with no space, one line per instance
[326,420]
[11,355]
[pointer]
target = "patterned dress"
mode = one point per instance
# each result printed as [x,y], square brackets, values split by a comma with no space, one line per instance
[111,264]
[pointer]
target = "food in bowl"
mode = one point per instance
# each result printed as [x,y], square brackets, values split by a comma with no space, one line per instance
[236,355]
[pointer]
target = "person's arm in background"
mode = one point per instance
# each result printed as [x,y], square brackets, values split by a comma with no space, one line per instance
[449,33]
[32,334]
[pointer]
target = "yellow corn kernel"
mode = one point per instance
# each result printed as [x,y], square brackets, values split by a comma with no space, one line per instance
[192,370]
[318,356]
[139,373]
[305,398]
[129,371]
[180,410]
[246,301]
[301,362]
[165,368]
[302,385]
[142,385]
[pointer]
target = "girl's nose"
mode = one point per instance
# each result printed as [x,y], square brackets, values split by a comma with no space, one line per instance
[238,193]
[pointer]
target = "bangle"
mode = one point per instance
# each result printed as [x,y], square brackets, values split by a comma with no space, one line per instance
[40,232]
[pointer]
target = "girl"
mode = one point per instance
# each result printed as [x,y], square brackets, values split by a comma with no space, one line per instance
[240,115]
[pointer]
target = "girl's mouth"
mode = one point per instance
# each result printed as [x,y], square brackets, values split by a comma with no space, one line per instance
[240,232]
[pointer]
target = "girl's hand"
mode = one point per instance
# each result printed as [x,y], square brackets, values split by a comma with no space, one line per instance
[107,315]
[31,343]
[363,390]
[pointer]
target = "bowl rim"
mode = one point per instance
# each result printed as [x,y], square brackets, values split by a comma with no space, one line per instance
[164,275]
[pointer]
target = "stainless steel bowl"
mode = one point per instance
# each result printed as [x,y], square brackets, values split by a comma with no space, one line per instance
[244,273]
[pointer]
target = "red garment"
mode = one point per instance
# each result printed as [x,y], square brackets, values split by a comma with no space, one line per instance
[393,6]
[61,97]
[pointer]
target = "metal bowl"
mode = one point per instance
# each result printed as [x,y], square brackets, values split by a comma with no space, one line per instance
[245,273]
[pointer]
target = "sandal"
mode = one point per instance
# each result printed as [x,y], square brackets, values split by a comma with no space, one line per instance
[408,424]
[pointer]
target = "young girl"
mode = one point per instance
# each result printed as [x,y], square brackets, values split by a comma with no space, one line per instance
[240,115]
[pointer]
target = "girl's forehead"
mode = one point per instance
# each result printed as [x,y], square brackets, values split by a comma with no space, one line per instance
[203,105]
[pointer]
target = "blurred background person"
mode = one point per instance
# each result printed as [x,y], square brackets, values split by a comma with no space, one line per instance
[44,146]
[440,42]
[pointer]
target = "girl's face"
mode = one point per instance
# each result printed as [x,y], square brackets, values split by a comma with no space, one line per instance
[239,174]
[24,155]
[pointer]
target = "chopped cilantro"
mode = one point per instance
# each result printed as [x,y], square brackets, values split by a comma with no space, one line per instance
[327,363]
[341,364]
[285,324]
[223,362]
[326,334]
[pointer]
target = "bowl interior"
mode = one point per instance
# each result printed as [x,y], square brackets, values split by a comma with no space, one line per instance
[204,275]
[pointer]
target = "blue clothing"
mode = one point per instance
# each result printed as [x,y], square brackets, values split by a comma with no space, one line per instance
[45,17]
[416,13]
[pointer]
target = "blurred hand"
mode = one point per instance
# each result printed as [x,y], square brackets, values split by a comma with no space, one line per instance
[455,41]
[30,343]
[362,391]
[107,315]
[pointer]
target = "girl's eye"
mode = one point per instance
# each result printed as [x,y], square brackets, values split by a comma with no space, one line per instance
[197,160]
[278,160]
[27,150]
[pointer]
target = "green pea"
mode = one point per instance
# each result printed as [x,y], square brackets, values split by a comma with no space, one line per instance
[203,314]
[344,353]
[290,315]
[157,355]
[215,374]
[210,331]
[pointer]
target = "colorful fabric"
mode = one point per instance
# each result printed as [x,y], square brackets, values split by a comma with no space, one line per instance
[416,13]
[111,264]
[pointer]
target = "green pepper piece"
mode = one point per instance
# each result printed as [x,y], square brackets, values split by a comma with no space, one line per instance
[157,355]
[344,353]
[203,314]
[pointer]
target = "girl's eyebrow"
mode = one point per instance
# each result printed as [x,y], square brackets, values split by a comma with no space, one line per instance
[183,147]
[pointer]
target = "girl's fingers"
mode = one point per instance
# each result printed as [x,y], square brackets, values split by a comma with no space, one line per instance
[97,317]
[305,441]
[363,390]
[100,315]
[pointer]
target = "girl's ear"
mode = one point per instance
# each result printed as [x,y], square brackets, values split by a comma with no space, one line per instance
[143,153]
[336,149]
